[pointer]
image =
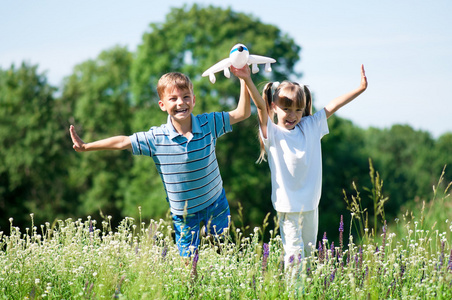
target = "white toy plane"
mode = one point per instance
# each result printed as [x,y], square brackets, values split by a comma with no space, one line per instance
[238,57]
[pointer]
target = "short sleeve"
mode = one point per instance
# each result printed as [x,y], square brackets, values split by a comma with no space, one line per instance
[322,122]
[316,124]
[141,143]
[220,123]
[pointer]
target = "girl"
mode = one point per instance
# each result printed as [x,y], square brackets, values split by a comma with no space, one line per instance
[292,144]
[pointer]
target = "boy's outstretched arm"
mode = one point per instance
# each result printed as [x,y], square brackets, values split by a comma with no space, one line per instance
[243,110]
[340,101]
[262,113]
[120,142]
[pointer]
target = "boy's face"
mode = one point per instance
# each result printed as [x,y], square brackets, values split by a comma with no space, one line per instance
[178,103]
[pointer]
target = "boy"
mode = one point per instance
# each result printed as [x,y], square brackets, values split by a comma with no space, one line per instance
[183,150]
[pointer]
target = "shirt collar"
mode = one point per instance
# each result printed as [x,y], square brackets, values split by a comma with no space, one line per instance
[195,127]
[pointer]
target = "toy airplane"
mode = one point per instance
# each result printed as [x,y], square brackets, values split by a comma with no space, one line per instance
[238,57]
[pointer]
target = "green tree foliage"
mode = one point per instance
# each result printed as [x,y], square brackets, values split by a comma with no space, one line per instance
[99,97]
[442,152]
[31,160]
[404,158]
[344,161]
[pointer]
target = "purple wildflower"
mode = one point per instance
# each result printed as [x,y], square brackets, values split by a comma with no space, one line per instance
[321,254]
[291,259]
[450,261]
[332,249]
[194,272]
[360,251]
[195,259]
[388,293]
[90,229]
[266,252]
[333,275]
[441,257]
[153,232]
[341,236]
[402,270]
[281,263]
[165,251]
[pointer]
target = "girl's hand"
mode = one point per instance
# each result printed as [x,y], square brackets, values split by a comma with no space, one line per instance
[242,73]
[363,79]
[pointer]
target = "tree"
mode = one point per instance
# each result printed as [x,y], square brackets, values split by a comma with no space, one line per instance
[193,39]
[404,159]
[344,162]
[32,165]
[443,158]
[98,94]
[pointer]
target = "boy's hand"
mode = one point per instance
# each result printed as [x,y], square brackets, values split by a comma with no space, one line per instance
[241,73]
[79,145]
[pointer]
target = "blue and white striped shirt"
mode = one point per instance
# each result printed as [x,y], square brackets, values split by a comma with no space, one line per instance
[188,168]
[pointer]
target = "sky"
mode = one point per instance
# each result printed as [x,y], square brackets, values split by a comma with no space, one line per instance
[405,46]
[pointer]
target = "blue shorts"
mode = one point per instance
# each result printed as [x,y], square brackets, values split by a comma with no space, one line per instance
[215,217]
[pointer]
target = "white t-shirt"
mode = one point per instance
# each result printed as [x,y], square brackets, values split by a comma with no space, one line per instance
[295,161]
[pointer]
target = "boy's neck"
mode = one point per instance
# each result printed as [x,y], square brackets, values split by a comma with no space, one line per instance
[184,128]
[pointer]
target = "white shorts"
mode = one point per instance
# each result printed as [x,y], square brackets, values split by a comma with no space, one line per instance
[298,233]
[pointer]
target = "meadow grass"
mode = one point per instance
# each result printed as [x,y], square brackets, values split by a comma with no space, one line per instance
[84,259]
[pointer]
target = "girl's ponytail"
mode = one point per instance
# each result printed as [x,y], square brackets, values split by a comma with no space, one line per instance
[267,95]
[308,108]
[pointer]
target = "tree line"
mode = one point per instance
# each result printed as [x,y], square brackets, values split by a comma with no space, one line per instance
[115,94]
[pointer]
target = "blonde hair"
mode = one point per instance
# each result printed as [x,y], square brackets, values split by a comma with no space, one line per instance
[173,80]
[291,93]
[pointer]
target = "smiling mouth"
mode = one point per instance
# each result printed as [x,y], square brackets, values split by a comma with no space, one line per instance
[178,111]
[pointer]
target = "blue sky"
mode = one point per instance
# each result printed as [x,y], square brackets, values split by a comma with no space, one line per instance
[405,46]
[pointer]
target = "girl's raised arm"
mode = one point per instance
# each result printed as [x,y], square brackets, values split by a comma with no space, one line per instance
[340,101]
[262,113]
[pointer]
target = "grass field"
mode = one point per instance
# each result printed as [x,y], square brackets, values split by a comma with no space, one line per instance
[409,258]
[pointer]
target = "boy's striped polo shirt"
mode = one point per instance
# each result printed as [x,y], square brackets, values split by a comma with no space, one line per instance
[188,168]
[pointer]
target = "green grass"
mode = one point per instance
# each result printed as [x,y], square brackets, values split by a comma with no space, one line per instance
[409,258]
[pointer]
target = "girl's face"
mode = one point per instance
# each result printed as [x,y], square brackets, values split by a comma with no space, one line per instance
[288,114]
